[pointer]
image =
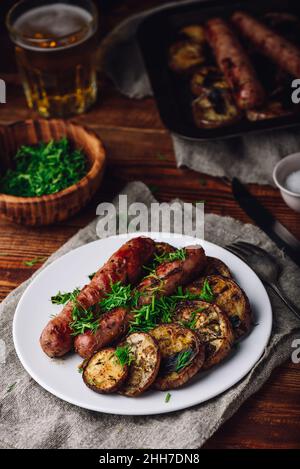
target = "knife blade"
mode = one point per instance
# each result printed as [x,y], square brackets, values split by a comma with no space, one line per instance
[266,221]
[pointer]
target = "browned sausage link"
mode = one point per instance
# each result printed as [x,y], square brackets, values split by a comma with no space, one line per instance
[280,50]
[112,326]
[124,266]
[235,64]
[167,277]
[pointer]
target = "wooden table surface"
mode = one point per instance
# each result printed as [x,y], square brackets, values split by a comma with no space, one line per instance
[135,139]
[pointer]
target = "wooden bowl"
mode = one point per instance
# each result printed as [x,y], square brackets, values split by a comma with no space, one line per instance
[61,205]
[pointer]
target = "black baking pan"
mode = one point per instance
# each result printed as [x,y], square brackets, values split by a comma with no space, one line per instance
[159,30]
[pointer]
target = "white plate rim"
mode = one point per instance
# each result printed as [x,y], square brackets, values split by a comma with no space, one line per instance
[165,409]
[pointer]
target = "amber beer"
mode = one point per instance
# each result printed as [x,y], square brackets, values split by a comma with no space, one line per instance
[55,46]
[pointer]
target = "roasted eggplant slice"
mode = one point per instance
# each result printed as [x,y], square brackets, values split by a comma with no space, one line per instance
[194,32]
[211,324]
[185,55]
[182,355]
[145,364]
[230,298]
[215,266]
[207,77]
[214,108]
[271,110]
[103,372]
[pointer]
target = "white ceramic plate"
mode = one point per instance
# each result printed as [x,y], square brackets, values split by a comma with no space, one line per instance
[60,376]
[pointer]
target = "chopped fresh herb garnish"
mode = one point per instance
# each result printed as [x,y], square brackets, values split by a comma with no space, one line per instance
[91,276]
[178,254]
[44,169]
[191,324]
[120,295]
[161,156]
[11,387]
[62,298]
[183,359]
[124,355]
[80,370]
[160,310]
[34,261]
[168,397]
[207,293]
[83,320]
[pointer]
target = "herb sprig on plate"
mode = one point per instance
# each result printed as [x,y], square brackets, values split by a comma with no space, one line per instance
[124,355]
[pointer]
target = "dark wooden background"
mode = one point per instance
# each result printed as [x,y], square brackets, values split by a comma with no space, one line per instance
[135,139]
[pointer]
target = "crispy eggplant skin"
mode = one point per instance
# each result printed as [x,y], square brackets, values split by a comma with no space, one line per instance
[144,368]
[235,64]
[230,298]
[185,55]
[215,266]
[272,45]
[215,108]
[103,373]
[213,327]
[271,110]
[113,325]
[194,32]
[173,339]
[207,77]
[123,266]
[169,275]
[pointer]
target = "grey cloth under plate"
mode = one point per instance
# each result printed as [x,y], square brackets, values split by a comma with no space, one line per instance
[251,158]
[33,418]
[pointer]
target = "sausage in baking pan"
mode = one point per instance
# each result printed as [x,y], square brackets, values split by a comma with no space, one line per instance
[124,266]
[235,64]
[277,48]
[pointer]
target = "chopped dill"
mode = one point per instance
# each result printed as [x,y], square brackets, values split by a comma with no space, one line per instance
[120,295]
[44,169]
[183,359]
[168,397]
[62,298]
[124,355]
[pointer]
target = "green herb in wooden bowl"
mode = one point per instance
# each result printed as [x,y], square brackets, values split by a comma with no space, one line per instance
[44,169]
[50,169]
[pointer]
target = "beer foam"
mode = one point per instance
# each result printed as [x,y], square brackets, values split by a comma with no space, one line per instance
[53,21]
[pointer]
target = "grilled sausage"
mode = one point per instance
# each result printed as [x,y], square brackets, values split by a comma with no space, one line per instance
[235,64]
[112,326]
[169,275]
[278,49]
[124,266]
[165,280]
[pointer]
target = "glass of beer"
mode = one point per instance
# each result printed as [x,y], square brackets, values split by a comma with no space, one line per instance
[55,43]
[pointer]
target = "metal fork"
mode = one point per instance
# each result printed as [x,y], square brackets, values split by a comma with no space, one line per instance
[265,266]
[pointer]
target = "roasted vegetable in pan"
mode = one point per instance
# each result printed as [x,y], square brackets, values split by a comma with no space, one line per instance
[185,55]
[207,77]
[144,365]
[104,373]
[230,298]
[182,355]
[211,324]
[215,108]
[194,32]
